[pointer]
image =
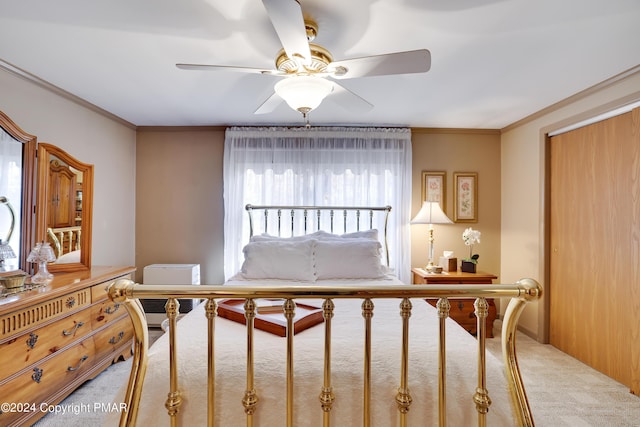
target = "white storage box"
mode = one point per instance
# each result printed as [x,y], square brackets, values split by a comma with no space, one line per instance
[168,274]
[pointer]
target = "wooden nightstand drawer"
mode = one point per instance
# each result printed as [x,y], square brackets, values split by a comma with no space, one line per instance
[462,310]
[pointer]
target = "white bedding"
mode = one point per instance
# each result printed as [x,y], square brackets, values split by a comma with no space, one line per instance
[347,371]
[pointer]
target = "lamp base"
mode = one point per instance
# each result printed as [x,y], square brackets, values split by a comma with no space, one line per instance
[43,275]
[431,268]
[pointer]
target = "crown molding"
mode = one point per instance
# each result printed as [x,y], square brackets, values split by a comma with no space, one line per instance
[575,98]
[25,75]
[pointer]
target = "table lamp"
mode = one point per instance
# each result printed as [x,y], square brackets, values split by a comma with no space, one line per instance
[41,254]
[431,213]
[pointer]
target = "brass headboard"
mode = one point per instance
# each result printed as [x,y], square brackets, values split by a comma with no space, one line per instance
[358,216]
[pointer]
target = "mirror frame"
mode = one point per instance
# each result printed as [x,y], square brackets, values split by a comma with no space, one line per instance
[45,152]
[28,208]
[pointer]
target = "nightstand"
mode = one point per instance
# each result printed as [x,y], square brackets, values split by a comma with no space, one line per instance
[462,310]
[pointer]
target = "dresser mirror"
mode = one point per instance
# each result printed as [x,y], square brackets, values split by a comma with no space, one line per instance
[17,194]
[65,199]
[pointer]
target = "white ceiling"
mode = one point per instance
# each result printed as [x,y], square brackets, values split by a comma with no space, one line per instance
[493,61]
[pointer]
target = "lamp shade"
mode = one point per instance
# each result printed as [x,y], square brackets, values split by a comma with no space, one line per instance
[5,251]
[431,213]
[42,252]
[303,93]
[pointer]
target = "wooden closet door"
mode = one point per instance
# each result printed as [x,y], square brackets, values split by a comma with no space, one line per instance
[594,246]
[62,183]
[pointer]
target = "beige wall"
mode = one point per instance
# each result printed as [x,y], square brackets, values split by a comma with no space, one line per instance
[180,206]
[179,202]
[92,138]
[523,183]
[459,151]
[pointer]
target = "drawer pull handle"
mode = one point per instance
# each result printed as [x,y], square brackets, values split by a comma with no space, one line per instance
[113,309]
[460,306]
[73,330]
[82,359]
[32,340]
[37,375]
[116,340]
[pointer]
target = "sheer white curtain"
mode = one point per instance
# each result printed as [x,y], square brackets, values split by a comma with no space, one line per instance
[317,166]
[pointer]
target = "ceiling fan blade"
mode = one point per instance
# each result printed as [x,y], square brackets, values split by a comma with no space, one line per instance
[349,100]
[409,62]
[286,17]
[269,104]
[205,67]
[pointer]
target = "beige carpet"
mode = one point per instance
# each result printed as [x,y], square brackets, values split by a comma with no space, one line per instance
[565,392]
[562,392]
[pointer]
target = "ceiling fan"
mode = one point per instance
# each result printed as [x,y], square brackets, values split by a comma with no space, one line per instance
[308,69]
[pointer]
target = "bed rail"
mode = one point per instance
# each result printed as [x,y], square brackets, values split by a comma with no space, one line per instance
[521,292]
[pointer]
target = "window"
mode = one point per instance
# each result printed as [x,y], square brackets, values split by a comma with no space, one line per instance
[317,166]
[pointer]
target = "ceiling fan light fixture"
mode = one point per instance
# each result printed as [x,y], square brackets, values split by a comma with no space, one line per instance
[303,93]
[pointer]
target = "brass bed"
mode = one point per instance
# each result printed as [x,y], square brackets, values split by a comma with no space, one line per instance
[369,300]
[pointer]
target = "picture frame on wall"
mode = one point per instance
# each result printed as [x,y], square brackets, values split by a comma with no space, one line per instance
[434,188]
[465,194]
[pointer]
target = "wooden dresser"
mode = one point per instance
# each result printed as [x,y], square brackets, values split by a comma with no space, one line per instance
[54,338]
[462,310]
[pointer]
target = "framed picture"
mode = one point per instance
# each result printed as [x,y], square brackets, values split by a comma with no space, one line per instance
[465,193]
[434,186]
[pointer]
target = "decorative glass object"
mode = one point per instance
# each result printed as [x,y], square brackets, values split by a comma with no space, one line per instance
[5,253]
[41,254]
[5,250]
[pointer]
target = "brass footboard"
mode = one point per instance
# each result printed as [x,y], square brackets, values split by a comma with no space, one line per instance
[523,291]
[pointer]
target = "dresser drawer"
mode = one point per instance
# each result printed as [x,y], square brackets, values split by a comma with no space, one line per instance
[44,379]
[99,292]
[105,312]
[113,337]
[26,349]
[15,322]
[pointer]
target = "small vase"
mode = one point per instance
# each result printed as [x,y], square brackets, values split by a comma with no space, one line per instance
[468,267]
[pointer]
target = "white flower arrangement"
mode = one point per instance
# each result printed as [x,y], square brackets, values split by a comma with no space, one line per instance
[471,237]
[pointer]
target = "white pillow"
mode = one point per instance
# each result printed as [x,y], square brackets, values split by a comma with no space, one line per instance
[348,259]
[284,260]
[264,237]
[365,234]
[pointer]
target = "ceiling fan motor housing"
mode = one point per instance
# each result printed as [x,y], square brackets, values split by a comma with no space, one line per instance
[320,59]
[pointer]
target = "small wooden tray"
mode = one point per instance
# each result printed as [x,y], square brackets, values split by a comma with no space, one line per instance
[271,318]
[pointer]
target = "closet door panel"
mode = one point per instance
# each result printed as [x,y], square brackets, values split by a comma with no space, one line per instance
[594,191]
